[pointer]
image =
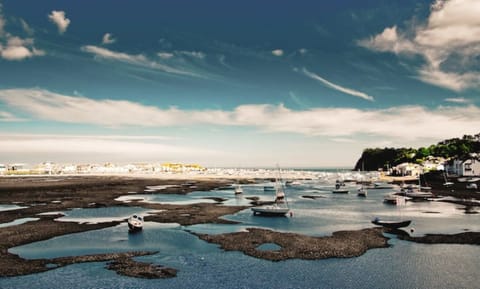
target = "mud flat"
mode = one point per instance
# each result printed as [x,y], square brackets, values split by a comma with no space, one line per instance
[342,244]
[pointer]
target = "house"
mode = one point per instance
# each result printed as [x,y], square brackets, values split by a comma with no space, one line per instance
[407,169]
[433,164]
[468,167]
[3,169]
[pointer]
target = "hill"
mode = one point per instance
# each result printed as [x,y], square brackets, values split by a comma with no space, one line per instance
[382,158]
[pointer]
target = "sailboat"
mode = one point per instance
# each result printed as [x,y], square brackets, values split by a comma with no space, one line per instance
[238,188]
[422,193]
[390,224]
[362,192]
[280,205]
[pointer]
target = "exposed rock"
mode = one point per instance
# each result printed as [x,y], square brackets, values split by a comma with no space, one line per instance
[132,268]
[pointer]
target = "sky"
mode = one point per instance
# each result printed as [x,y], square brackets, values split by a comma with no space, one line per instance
[234,83]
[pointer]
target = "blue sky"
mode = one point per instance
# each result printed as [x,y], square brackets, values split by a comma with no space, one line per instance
[234,83]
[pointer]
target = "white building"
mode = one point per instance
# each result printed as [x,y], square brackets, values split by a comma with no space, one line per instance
[408,169]
[3,169]
[469,167]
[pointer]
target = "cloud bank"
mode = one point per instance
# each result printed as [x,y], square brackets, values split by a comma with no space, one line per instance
[449,42]
[405,122]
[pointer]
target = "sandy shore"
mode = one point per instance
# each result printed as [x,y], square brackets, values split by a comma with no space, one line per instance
[53,194]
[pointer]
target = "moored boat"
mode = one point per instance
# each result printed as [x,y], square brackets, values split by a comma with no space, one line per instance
[238,190]
[391,224]
[135,223]
[280,207]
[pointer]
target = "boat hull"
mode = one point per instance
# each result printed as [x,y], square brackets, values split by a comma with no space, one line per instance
[270,211]
[392,224]
[340,191]
[133,228]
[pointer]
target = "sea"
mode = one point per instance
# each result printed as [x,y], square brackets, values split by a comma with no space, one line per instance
[203,265]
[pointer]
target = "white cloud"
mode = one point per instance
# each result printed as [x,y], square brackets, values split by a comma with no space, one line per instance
[336,86]
[138,59]
[108,39]
[458,100]
[13,47]
[165,55]
[451,35]
[59,19]
[277,52]
[408,123]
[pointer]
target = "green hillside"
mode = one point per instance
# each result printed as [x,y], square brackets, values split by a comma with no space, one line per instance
[383,158]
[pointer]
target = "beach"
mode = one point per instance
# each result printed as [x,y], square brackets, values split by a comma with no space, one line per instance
[54,194]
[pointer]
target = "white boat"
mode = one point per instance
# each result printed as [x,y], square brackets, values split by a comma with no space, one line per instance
[340,188]
[471,186]
[238,190]
[362,192]
[422,193]
[135,223]
[390,198]
[383,186]
[280,207]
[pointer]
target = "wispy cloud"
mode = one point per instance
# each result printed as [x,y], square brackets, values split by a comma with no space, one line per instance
[6,116]
[458,100]
[138,59]
[108,39]
[451,36]
[336,86]
[60,20]
[405,122]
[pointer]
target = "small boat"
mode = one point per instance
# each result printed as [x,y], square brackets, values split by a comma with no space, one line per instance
[238,190]
[362,192]
[273,210]
[280,207]
[394,199]
[135,223]
[471,186]
[391,224]
[269,188]
[383,186]
[419,195]
[340,188]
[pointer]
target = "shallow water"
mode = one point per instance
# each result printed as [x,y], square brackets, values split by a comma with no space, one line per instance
[203,265]
[10,207]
